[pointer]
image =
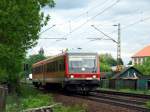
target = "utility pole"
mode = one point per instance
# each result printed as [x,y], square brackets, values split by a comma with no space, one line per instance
[119,67]
[118,42]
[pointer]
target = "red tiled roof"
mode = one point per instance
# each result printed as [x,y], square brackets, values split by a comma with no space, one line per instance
[143,53]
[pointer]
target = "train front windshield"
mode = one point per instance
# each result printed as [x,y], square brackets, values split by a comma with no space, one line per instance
[82,64]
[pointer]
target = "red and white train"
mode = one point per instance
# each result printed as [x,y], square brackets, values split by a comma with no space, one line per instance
[72,71]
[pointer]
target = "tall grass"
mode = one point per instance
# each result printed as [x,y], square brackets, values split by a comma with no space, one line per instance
[32,98]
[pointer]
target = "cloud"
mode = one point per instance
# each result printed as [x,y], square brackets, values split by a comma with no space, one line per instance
[70,4]
[125,12]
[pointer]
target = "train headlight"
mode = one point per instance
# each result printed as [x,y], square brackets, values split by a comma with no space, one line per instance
[94,76]
[72,76]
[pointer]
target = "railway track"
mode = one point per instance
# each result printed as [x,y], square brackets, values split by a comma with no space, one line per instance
[136,95]
[118,100]
[127,100]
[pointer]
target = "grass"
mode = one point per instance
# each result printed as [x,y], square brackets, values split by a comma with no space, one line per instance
[32,98]
[148,104]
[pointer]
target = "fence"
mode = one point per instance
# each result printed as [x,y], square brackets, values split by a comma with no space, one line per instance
[3,94]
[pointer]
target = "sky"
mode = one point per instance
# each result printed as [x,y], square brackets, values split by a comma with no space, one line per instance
[72,20]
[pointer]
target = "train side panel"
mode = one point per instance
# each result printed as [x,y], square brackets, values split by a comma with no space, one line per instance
[52,71]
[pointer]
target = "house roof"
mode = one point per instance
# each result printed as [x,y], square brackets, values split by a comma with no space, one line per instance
[143,52]
[118,75]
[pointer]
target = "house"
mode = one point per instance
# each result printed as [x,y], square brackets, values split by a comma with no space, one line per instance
[127,78]
[141,55]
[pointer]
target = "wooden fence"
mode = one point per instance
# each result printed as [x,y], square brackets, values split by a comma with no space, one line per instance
[3,94]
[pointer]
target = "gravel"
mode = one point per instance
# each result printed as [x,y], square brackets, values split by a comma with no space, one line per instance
[91,106]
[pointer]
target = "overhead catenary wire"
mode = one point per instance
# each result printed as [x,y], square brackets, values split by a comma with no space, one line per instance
[132,24]
[101,12]
[97,5]
[86,12]
[126,26]
[109,7]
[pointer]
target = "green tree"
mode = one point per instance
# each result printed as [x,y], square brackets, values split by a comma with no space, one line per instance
[120,61]
[20,24]
[33,59]
[145,67]
[130,62]
[106,61]
[105,67]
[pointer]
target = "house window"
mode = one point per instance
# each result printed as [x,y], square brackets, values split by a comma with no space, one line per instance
[135,61]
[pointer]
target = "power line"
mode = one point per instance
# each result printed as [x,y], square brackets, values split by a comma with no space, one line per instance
[54,38]
[127,26]
[137,22]
[93,17]
[90,18]
[110,38]
[130,25]
[98,5]
[47,29]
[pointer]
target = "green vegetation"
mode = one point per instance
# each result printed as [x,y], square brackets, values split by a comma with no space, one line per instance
[33,59]
[75,108]
[21,22]
[106,62]
[32,98]
[145,67]
[148,104]
[29,98]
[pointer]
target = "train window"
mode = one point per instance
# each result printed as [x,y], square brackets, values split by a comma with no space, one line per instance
[61,65]
[56,66]
[37,70]
[49,67]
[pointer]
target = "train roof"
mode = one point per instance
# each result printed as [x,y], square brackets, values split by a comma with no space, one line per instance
[79,52]
[47,59]
[62,54]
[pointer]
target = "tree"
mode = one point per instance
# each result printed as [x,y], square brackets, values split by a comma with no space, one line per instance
[130,62]
[145,67]
[20,24]
[105,67]
[33,59]
[106,61]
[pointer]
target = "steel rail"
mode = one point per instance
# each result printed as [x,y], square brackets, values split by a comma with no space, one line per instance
[126,103]
[124,94]
[120,98]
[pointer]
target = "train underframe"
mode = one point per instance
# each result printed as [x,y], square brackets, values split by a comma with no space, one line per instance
[81,86]
[75,86]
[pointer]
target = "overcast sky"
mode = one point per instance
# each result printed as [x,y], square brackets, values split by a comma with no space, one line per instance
[73,20]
